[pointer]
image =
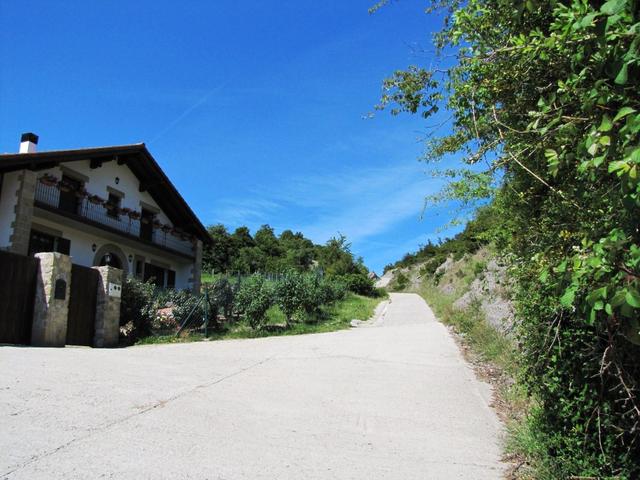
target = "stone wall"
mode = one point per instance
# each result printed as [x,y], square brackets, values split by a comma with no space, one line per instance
[107,326]
[51,303]
[21,227]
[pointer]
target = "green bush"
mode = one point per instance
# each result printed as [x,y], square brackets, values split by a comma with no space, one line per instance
[221,297]
[136,312]
[182,304]
[254,297]
[401,281]
[301,296]
[314,296]
[141,305]
[359,283]
[335,289]
[290,294]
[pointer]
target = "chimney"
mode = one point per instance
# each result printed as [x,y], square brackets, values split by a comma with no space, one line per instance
[28,142]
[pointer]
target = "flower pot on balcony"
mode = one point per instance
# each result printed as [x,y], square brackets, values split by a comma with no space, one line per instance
[48,180]
[133,215]
[64,187]
[112,208]
[96,200]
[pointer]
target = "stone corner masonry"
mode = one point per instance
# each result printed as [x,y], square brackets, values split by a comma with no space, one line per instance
[51,306]
[21,226]
[107,326]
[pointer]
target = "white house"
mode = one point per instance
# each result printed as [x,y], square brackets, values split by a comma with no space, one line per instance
[102,206]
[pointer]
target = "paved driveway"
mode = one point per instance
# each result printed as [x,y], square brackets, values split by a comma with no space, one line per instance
[392,401]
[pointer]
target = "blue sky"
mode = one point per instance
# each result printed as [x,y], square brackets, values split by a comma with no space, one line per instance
[256,110]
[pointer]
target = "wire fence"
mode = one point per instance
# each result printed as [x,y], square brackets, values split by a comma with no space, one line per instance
[239,277]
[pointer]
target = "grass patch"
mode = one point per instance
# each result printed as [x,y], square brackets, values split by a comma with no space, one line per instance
[171,338]
[486,341]
[206,278]
[334,317]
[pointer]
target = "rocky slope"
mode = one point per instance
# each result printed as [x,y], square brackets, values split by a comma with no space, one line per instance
[478,279]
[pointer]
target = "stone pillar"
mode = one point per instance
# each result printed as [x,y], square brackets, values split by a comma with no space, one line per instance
[51,305]
[196,271]
[21,226]
[107,327]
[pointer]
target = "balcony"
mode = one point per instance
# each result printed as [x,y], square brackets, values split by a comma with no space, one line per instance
[84,210]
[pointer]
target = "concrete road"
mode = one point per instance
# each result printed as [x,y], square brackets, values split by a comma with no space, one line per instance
[394,400]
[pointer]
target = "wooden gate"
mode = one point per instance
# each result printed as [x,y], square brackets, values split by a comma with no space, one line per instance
[18,275]
[82,305]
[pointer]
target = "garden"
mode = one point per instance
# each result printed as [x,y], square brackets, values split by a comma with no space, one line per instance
[244,307]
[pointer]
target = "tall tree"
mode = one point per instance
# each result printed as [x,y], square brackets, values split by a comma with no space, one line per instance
[217,257]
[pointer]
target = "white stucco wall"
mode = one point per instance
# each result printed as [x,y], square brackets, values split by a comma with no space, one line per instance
[82,252]
[82,240]
[104,176]
[7,206]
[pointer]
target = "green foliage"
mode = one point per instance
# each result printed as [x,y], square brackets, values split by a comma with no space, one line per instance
[221,297]
[151,315]
[290,294]
[255,296]
[217,257]
[401,281]
[359,283]
[492,345]
[136,314]
[300,296]
[335,258]
[336,316]
[140,305]
[482,229]
[181,302]
[240,252]
[547,95]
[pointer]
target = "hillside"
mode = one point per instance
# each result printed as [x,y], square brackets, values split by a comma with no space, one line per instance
[475,280]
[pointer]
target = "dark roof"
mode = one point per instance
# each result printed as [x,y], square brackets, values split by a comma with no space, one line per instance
[139,161]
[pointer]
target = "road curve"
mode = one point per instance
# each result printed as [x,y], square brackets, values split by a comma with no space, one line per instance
[392,400]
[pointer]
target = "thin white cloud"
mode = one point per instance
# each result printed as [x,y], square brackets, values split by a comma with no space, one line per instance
[359,204]
[186,112]
[246,211]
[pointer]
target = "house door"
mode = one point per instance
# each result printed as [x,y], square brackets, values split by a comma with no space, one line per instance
[82,305]
[146,225]
[18,276]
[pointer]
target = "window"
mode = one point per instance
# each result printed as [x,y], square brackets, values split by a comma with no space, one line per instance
[161,277]
[171,279]
[113,205]
[155,274]
[69,198]
[139,268]
[44,242]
